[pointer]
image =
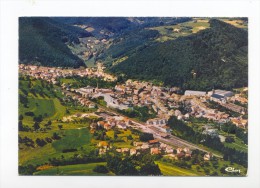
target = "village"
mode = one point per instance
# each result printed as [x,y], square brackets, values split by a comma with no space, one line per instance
[51,74]
[164,102]
[154,147]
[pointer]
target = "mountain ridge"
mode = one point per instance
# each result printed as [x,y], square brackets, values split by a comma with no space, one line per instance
[210,58]
[42,42]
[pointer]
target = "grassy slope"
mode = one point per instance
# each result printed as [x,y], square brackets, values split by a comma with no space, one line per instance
[238,145]
[81,169]
[40,105]
[73,139]
[170,170]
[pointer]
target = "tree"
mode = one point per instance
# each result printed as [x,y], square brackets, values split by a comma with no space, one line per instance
[60,126]
[101,169]
[222,170]
[20,125]
[27,170]
[49,140]
[207,171]
[40,142]
[36,126]
[215,173]
[21,117]
[229,139]
[144,137]
[29,113]
[130,137]
[38,118]
[56,136]
[150,169]
[48,124]
[126,167]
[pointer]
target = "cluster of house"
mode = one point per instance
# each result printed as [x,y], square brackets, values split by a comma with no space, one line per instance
[162,100]
[51,74]
[135,93]
[81,99]
[199,109]
[239,98]
[155,147]
[159,125]
[239,122]
[111,122]
[165,102]
[222,97]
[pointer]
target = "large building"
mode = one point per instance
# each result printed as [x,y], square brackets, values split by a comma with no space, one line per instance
[156,121]
[220,95]
[195,93]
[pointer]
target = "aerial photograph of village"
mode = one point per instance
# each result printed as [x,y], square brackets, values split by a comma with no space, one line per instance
[133,96]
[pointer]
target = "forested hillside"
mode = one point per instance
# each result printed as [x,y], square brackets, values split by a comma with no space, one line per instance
[214,57]
[42,41]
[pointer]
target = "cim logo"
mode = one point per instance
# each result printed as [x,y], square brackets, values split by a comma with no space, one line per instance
[231,169]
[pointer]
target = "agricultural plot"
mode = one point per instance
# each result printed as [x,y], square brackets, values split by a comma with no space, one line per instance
[80,169]
[39,107]
[73,139]
[236,22]
[170,170]
[237,144]
[181,30]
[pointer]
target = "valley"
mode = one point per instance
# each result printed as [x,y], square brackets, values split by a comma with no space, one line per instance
[134,96]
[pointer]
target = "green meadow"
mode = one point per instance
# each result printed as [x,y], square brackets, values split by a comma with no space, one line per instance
[79,169]
[73,139]
[171,170]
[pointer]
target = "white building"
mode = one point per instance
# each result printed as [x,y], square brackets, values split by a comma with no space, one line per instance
[222,93]
[195,93]
[156,121]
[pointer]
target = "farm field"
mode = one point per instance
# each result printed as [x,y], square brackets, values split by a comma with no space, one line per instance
[181,29]
[80,169]
[238,145]
[170,170]
[211,167]
[73,139]
[236,22]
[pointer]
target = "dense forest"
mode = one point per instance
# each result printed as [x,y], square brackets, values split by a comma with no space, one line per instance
[42,42]
[130,42]
[214,57]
